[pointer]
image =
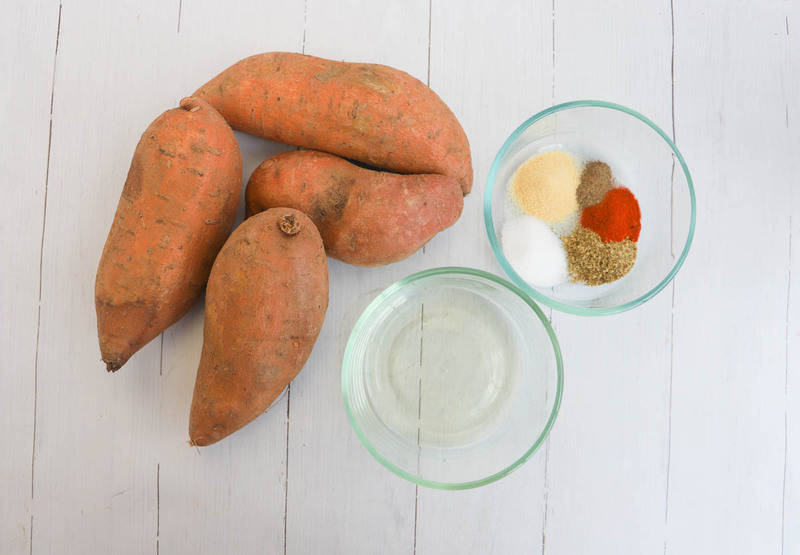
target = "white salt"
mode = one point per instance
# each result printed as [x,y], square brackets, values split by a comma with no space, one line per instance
[534,251]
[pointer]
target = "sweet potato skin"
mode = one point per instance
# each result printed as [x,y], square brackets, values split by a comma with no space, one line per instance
[376,114]
[265,304]
[177,207]
[365,217]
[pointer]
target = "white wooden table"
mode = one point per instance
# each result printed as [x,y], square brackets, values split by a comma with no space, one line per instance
[680,426]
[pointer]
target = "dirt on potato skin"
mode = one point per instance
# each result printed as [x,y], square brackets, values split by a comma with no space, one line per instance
[365,217]
[176,209]
[265,304]
[373,113]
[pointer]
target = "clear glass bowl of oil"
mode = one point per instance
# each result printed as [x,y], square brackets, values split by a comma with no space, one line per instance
[452,378]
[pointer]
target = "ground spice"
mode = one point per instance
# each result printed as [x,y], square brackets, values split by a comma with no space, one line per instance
[545,186]
[616,218]
[594,262]
[596,181]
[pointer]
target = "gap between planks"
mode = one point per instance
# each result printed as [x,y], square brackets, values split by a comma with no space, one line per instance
[41,264]
[421,320]
[305,25]
[289,385]
[286,480]
[545,481]
[158,507]
[786,388]
[673,284]
[419,420]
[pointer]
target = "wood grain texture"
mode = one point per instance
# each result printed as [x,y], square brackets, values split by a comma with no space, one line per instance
[491,100]
[229,497]
[607,472]
[111,471]
[95,473]
[790,489]
[332,479]
[27,32]
[728,400]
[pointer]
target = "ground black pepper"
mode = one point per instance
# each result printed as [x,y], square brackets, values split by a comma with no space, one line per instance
[596,181]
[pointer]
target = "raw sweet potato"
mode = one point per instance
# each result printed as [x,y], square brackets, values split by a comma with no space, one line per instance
[176,209]
[365,217]
[265,303]
[372,113]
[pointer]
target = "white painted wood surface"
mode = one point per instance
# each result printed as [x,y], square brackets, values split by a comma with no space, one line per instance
[680,427]
[729,392]
[607,465]
[26,33]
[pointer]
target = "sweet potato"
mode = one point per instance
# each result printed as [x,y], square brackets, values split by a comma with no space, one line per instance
[365,217]
[372,113]
[176,209]
[265,303]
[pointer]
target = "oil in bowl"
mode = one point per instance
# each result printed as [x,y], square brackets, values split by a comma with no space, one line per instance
[452,378]
[468,368]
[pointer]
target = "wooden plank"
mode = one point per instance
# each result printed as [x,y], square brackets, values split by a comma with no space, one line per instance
[96,443]
[28,35]
[790,506]
[333,482]
[493,68]
[608,453]
[229,497]
[729,372]
[112,474]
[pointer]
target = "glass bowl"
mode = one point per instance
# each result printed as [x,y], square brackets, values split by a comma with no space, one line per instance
[452,378]
[642,158]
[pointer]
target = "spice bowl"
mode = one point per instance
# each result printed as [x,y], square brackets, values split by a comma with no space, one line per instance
[644,160]
[452,378]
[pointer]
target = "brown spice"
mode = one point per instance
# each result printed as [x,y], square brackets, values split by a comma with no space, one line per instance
[593,262]
[596,181]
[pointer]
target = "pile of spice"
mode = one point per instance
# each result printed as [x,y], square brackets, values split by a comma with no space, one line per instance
[575,225]
[536,251]
[545,185]
[596,181]
[594,262]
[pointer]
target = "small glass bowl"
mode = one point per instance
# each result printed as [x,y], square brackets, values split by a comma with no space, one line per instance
[452,378]
[642,158]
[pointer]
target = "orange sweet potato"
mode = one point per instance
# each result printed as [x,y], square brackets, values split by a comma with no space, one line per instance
[176,209]
[265,303]
[372,113]
[365,217]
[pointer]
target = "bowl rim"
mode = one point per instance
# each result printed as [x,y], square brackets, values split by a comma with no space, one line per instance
[348,368]
[495,243]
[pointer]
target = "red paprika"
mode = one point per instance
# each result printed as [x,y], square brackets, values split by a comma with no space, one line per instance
[616,218]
